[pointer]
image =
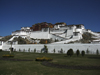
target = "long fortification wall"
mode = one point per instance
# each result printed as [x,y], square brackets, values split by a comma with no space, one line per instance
[91,47]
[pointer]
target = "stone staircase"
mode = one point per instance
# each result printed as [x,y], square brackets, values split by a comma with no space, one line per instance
[29,39]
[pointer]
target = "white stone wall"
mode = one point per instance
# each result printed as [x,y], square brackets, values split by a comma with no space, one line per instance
[57,31]
[56,37]
[96,34]
[79,36]
[21,33]
[1,42]
[6,47]
[66,41]
[56,27]
[25,28]
[63,35]
[82,27]
[39,35]
[0,46]
[69,32]
[91,47]
[79,30]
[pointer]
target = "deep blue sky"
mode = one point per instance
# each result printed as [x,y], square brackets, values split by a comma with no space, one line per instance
[15,14]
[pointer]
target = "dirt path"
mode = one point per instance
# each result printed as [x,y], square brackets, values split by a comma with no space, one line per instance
[9,59]
[70,67]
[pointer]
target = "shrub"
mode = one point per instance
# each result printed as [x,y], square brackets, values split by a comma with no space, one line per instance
[35,50]
[87,51]
[0,50]
[20,40]
[77,52]
[56,40]
[41,50]
[45,41]
[54,51]
[43,59]
[29,50]
[70,52]
[61,50]
[7,56]
[19,50]
[97,52]
[46,49]
[87,37]
[83,53]
[23,50]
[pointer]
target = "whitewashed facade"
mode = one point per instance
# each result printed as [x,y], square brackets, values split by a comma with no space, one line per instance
[59,32]
[91,47]
[62,33]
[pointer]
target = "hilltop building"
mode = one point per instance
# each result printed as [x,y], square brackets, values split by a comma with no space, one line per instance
[58,31]
[59,36]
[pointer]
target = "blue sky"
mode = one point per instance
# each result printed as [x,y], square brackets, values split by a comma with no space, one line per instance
[15,14]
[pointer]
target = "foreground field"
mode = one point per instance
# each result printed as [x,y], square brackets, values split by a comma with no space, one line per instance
[36,68]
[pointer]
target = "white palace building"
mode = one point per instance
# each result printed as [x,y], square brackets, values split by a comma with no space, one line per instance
[61,32]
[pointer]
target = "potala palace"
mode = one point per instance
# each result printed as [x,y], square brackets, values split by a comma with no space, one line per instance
[60,31]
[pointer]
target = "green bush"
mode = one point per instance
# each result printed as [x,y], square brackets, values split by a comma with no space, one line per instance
[70,52]
[61,50]
[97,52]
[29,50]
[87,38]
[19,50]
[35,50]
[21,40]
[83,53]
[7,56]
[46,49]
[77,52]
[54,50]
[43,59]
[41,50]
[87,51]
[0,50]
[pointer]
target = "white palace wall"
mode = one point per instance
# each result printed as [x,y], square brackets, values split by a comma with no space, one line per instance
[39,35]
[91,47]
[0,46]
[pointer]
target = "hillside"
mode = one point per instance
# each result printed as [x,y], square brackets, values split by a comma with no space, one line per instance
[6,38]
[45,33]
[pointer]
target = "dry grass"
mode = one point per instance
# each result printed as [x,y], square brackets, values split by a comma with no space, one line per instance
[35,68]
